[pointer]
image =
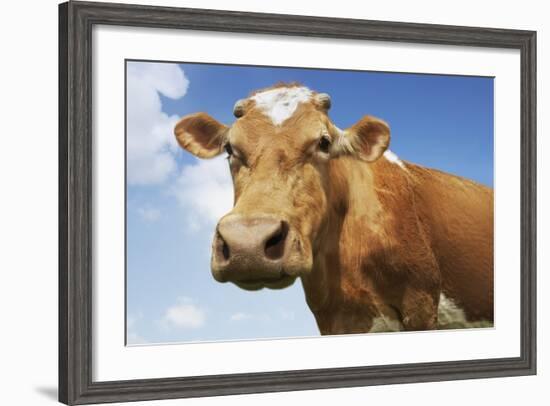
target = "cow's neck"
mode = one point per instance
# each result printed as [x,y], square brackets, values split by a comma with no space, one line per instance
[343,290]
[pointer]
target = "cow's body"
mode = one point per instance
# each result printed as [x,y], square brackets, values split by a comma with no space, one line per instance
[379,244]
[422,247]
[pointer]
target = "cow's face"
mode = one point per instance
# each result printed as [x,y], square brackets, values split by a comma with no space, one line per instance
[279,151]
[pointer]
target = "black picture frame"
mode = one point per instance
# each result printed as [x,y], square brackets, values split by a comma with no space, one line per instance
[76,20]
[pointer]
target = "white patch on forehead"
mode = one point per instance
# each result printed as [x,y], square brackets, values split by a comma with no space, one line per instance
[280,103]
[394,159]
[451,316]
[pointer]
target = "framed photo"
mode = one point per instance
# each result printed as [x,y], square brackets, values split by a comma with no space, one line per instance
[257,202]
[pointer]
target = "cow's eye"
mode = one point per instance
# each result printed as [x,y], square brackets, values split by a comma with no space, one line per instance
[324,144]
[228,149]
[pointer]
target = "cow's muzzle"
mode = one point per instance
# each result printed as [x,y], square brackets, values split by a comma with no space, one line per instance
[253,252]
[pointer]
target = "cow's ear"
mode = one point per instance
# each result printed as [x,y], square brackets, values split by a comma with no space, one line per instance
[201,135]
[368,138]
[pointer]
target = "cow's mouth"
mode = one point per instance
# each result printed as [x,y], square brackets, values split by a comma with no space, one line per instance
[282,281]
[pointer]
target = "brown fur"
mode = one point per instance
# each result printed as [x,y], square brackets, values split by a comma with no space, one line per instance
[422,232]
[370,239]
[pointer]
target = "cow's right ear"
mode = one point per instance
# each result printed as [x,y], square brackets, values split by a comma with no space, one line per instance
[201,135]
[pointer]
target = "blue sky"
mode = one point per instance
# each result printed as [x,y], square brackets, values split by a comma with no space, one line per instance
[174,200]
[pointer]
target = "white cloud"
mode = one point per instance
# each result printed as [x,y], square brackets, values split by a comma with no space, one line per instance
[205,191]
[287,314]
[132,337]
[240,316]
[282,314]
[184,314]
[149,214]
[151,145]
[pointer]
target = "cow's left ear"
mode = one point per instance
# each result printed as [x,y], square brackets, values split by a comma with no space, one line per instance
[201,135]
[368,138]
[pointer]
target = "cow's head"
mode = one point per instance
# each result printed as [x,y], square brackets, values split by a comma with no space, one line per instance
[279,151]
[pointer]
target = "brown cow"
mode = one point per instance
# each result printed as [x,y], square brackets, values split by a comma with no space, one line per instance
[380,244]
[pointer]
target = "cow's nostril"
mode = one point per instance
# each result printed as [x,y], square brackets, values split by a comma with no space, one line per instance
[225,251]
[222,248]
[275,245]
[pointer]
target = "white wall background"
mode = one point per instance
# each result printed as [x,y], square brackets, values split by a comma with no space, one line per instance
[28,203]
